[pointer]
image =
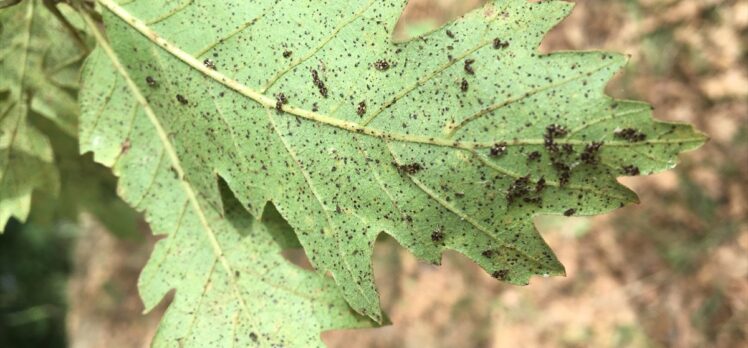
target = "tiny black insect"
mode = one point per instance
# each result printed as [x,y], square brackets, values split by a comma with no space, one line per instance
[450,34]
[150,81]
[556,131]
[570,212]
[501,274]
[411,168]
[540,185]
[534,156]
[253,336]
[550,144]
[631,135]
[498,149]
[464,86]
[517,189]
[497,43]
[315,107]
[182,100]
[280,100]
[630,170]
[437,236]
[361,109]
[287,54]
[318,82]
[209,63]
[382,65]
[563,170]
[590,154]
[487,253]
[469,66]
[568,148]
[459,194]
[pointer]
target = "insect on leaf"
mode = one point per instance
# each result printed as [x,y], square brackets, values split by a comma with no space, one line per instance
[452,141]
[233,286]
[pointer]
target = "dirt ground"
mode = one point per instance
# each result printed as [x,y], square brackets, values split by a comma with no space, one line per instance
[670,272]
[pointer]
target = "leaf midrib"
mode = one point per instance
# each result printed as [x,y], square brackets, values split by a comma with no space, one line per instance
[192,197]
[353,127]
[270,103]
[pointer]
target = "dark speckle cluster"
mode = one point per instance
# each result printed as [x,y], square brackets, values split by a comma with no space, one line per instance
[498,149]
[319,83]
[280,100]
[411,168]
[497,43]
[382,65]
[631,135]
[437,236]
[455,131]
[590,155]
[630,170]
[469,66]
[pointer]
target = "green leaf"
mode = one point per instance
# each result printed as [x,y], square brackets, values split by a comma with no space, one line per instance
[233,286]
[38,66]
[309,104]
[84,186]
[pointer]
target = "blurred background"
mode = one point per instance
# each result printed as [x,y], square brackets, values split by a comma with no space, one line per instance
[670,272]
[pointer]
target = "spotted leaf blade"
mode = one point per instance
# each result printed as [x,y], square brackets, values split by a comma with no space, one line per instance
[233,287]
[39,63]
[453,141]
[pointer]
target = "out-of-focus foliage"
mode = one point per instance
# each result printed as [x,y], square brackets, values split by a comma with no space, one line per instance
[34,266]
[42,47]
[40,56]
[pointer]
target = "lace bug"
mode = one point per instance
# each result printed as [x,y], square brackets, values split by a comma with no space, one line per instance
[411,168]
[280,100]
[464,86]
[469,66]
[437,236]
[630,170]
[209,64]
[497,43]
[382,65]
[501,274]
[534,156]
[498,149]
[318,82]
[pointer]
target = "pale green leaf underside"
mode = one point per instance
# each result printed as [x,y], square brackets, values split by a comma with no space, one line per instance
[339,174]
[38,65]
[233,287]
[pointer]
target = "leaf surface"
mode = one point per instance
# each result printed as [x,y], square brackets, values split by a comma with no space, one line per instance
[233,287]
[39,64]
[452,141]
